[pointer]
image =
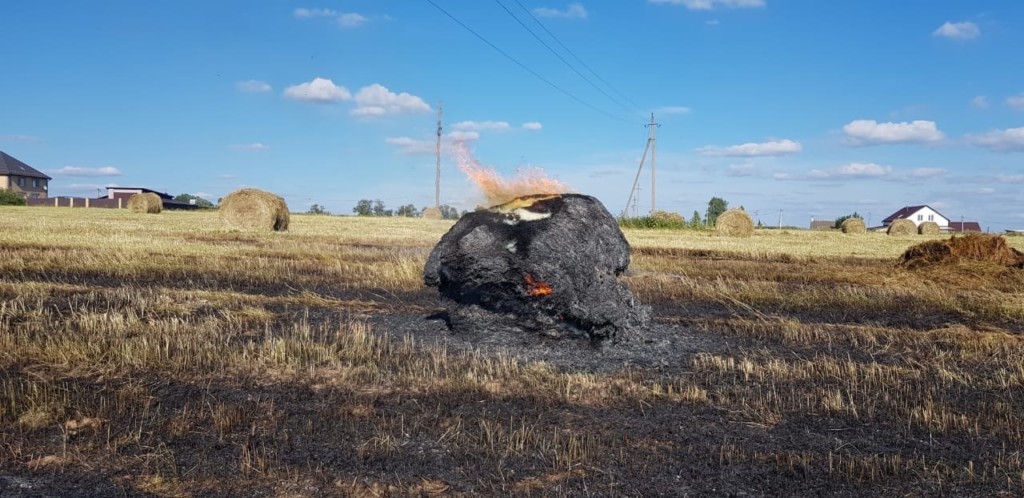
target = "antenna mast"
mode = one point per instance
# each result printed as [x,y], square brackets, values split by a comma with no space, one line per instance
[437,166]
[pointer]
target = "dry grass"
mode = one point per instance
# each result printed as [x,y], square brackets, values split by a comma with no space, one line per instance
[169,356]
[254,209]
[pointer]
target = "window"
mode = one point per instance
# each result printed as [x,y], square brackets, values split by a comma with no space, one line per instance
[35,183]
[21,181]
[931,217]
[920,217]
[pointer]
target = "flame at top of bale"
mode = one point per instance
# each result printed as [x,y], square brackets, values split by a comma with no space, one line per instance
[528,182]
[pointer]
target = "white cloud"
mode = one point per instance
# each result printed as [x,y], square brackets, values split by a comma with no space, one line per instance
[927,172]
[464,136]
[29,139]
[871,132]
[979,102]
[320,91]
[958,30]
[852,170]
[532,126]
[481,125]
[344,19]
[377,100]
[1009,140]
[1016,102]
[573,11]
[79,171]
[253,147]
[351,20]
[711,4]
[253,86]
[771,148]
[411,146]
[673,109]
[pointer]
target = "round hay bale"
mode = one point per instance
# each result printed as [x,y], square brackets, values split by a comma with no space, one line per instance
[254,209]
[854,225]
[734,223]
[668,219]
[432,214]
[145,203]
[902,227]
[929,228]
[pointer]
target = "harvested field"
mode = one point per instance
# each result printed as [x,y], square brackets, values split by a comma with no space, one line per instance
[170,357]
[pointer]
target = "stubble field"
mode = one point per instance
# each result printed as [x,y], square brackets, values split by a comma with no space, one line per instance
[162,355]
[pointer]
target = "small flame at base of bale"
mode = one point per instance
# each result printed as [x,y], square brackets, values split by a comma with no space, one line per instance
[147,202]
[254,209]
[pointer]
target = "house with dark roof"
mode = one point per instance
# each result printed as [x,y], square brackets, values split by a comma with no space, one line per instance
[19,177]
[918,214]
[124,193]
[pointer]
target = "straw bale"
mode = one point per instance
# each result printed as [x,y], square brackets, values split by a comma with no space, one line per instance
[854,225]
[147,202]
[254,209]
[734,223]
[929,228]
[902,226]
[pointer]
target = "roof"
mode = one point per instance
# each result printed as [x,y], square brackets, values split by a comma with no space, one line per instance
[907,211]
[140,190]
[966,226]
[12,166]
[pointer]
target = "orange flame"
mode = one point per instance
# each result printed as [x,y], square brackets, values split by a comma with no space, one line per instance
[499,190]
[535,287]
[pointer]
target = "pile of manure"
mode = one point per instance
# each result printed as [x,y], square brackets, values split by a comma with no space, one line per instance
[902,226]
[929,228]
[968,248]
[734,223]
[854,225]
[254,209]
[145,203]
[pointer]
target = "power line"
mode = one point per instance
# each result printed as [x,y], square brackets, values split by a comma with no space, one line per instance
[556,54]
[574,56]
[520,64]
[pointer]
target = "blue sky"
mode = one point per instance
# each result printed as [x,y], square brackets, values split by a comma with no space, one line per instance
[809,107]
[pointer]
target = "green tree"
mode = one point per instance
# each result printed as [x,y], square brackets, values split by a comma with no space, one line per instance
[194,199]
[318,209]
[380,210]
[716,206]
[448,212]
[8,198]
[363,208]
[695,220]
[841,219]
[408,211]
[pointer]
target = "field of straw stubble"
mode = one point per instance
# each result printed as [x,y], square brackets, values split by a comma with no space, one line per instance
[161,355]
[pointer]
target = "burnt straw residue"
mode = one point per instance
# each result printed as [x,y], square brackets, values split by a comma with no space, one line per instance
[546,264]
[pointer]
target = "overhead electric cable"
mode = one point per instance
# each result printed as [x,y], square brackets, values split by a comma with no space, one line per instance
[520,64]
[574,56]
[556,54]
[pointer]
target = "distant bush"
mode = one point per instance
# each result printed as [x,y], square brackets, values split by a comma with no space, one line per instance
[8,198]
[657,219]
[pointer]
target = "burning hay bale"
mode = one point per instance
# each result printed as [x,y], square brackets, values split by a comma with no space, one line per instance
[971,247]
[853,225]
[734,223]
[544,263]
[254,209]
[902,227]
[432,214]
[929,228]
[147,202]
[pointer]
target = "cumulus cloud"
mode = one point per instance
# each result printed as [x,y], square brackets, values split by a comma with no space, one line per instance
[979,102]
[852,170]
[411,146]
[532,126]
[1016,102]
[711,4]
[573,11]
[958,30]
[871,132]
[253,147]
[303,13]
[481,125]
[377,100]
[351,20]
[253,86]
[344,19]
[79,171]
[771,148]
[318,91]
[1009,140]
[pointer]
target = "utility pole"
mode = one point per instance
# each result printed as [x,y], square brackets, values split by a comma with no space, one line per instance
[780,219]
[437,166]
[634,191]
[653,140]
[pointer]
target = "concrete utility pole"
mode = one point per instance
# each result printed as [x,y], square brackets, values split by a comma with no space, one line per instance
[634,191]
[437,166]
[780,219]
[652,140]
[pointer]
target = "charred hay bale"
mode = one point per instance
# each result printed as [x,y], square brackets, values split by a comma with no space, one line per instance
[929,228]
[254,209]
[734,223]
[853,225]
[147,202]
[902,227]
[973,247]
[432,214]
[543,264]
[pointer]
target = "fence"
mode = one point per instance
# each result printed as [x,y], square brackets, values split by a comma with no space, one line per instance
[78,202]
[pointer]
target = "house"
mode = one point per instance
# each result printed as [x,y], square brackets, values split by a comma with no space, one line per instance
[822,224]
[964,226]
[124,193]
[19,177]
[918,214]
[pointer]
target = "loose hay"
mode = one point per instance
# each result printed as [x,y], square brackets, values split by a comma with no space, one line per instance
[432,214]
[254,209]
[734,223]
[854,225]
[929,228]
[971,247]
[145,203]
[902,227]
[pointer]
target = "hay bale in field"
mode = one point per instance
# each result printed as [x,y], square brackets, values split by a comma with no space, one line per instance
[254,209]
[432,214]
[902,227]
[929,228]
[734,223]
[854,225]
[147,202]
[977,247]
[668,219]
